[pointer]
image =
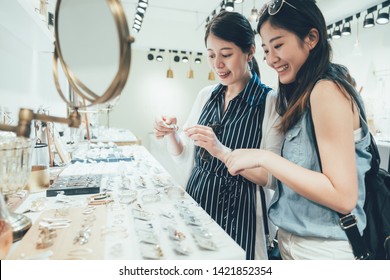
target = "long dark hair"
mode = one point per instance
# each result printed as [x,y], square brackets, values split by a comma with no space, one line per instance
[293,99]
[233,27]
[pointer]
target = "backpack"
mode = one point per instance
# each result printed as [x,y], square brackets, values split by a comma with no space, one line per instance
[376,235]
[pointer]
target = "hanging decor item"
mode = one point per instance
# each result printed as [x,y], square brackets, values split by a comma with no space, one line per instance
[211,76]
[190,72]
[169,71]
[254,13]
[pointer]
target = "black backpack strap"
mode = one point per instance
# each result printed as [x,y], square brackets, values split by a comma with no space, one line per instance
[348,222]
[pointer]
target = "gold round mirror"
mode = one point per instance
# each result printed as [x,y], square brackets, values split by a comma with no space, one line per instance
[93,45]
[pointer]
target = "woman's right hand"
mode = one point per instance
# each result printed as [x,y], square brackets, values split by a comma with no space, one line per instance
[164,125]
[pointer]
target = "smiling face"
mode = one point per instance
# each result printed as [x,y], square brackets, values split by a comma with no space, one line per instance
[228,61]
[284,51]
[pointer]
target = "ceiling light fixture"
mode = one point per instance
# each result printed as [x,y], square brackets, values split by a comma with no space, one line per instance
[185,57]
[176,58]
[369,18]
[336,31]
[229,6]
[329,28]
[225,5]
[160,57]
[346,30]
[383,16]
[198,59]
[139,15]
[150,54]
[137,26]
[141,10]
[222,6]
[214,13]
[143,3]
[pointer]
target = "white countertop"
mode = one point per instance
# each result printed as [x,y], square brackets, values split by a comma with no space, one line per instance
[129,236]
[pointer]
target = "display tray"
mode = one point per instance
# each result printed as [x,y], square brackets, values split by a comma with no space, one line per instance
[75,185]
[108,159]
[65,242]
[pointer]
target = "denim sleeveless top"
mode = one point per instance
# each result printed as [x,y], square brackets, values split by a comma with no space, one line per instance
[298,215]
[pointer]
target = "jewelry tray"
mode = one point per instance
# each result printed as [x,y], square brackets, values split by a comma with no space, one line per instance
[74,185]
[63,247]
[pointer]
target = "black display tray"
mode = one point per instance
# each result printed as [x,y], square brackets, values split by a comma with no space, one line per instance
[75,185]
[107,159]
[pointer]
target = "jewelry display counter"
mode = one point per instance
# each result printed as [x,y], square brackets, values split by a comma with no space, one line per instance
[120,137]
[140,212]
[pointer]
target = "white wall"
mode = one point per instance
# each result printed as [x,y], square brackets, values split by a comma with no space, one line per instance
[148,93]
[26,45]
[369,63]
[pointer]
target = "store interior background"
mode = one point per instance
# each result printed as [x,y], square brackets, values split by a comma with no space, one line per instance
[26,79]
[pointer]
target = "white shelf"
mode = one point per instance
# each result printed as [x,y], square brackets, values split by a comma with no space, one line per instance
[21,21]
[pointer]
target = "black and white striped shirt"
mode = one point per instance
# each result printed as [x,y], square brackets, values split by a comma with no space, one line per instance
[230,200]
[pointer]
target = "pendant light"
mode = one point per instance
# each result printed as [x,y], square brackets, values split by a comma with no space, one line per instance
[169,71]
[254,13]
[211,75]
[190,72]
[357,52]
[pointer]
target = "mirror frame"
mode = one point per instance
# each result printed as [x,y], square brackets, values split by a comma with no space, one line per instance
[120,79]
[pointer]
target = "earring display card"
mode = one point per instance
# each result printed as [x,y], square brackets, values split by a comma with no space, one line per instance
[75,185]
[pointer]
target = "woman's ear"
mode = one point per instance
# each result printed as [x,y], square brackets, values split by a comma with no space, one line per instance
[251,53]
[312,38]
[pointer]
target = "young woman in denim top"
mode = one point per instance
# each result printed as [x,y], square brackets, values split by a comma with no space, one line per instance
[312,90]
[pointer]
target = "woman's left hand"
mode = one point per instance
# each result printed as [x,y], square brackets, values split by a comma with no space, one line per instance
[241,159]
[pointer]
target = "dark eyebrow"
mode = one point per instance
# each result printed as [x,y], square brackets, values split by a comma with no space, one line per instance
[273,39]
[221,49]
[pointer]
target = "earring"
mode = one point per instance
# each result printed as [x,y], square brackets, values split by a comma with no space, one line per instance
[250,65]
